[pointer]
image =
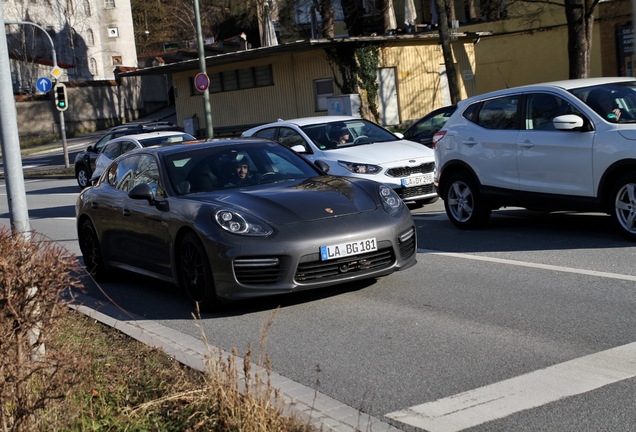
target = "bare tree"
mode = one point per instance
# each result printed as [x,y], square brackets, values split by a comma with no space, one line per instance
[327,15]
[580,18]
[353,11]
[444,35]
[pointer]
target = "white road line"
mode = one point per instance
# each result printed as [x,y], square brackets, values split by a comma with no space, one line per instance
[531,390]
[532,265]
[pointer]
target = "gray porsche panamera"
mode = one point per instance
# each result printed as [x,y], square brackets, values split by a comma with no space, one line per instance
[236,219]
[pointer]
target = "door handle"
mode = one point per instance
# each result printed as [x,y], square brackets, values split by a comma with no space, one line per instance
[127,212]
[94,205]
[470,143]
[526,144]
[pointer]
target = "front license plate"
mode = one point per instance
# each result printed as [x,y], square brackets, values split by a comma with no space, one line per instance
[346,249]
[418,180]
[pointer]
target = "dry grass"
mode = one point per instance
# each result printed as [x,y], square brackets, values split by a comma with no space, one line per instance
[77,374]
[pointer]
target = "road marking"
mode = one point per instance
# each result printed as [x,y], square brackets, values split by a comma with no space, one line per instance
[524,392]
[532,265]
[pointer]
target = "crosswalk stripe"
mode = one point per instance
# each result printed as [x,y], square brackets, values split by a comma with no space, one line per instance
[495,401]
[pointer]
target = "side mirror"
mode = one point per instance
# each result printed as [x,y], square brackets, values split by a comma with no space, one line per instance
[299,148]
[400,135]
[567,122]
[324,166]
[142,192]
[89,149]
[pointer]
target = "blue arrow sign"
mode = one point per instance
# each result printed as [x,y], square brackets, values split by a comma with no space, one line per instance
[43,84]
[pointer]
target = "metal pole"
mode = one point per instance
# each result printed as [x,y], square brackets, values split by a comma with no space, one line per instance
[64,146]
[12,159]
[203,68]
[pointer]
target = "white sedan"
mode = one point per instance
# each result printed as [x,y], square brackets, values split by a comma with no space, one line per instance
[351,146]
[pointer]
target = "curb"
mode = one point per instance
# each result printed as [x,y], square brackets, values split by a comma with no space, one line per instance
[317,409]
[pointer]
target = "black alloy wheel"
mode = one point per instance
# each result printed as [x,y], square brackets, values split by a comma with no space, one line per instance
[89,245]
[195,274]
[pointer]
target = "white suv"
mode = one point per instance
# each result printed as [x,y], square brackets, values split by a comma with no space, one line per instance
[568,145]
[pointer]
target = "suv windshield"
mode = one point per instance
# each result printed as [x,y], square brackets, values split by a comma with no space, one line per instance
[615,102]
[348,133]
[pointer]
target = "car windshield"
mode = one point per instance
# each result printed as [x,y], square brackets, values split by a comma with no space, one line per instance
[615,102]
[168,139]
[347,133]
[223,167]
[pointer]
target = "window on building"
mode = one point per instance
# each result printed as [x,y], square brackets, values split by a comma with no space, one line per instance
[90,38]
[87,7]
[109,4]
[238,79]
[324,89]
[92,66]
[69,7]
[230,81]
[117,61]
[246,78]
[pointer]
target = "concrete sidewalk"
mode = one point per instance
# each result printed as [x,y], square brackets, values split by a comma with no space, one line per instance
[308,404]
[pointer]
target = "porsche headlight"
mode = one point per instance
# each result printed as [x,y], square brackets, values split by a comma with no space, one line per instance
[390,200]
[242,223]
[359,168]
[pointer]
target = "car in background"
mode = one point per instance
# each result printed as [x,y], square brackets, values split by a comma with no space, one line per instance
[366,150]
[126,143]
[173,213]
[422,131]
[85,160]
[558,146]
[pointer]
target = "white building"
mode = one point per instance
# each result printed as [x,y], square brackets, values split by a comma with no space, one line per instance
[93,37]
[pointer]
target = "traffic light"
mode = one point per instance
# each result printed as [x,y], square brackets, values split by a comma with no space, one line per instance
[61,102]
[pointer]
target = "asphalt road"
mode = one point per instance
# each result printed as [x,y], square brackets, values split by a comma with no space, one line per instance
[527,325]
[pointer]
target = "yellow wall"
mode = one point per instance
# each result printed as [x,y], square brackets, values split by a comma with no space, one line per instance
[289,97]
[292,95]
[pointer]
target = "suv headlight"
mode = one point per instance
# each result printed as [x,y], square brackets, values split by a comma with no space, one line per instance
[242,223]
[359,168]
[391,202]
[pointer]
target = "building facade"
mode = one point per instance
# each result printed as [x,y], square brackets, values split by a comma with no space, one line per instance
[93,37]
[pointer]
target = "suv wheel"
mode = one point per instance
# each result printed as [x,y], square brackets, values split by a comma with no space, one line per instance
[463,202]
[82,175]
[623,208]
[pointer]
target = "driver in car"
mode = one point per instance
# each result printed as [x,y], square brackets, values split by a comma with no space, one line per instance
[241,175]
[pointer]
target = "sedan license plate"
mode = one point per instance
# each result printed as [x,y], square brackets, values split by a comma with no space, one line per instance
[418,180]
[347,249]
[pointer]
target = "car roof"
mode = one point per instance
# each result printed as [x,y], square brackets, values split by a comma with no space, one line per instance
[564,85]
[304,121]
[146,135]
[216,142]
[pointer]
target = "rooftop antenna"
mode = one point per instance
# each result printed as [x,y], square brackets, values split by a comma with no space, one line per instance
[502,77]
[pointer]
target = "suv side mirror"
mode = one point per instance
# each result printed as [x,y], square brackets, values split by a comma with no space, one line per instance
[567,122]
[89,149]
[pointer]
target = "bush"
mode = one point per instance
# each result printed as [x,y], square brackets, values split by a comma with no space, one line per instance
[33,275]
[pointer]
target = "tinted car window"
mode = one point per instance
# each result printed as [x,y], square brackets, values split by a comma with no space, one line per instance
[542,108]
[111,151]
[147,171]
[120,174]
[267,133]
[127,146]
[500,113]
[289,138]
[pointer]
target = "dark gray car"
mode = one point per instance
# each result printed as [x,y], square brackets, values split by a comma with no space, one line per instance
[236,219]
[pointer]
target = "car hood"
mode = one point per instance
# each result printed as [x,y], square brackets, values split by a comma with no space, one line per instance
[383,153]
[295,201]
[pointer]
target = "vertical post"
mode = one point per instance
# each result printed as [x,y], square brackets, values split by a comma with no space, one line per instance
[203,68]
[12,159]
[64,145]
